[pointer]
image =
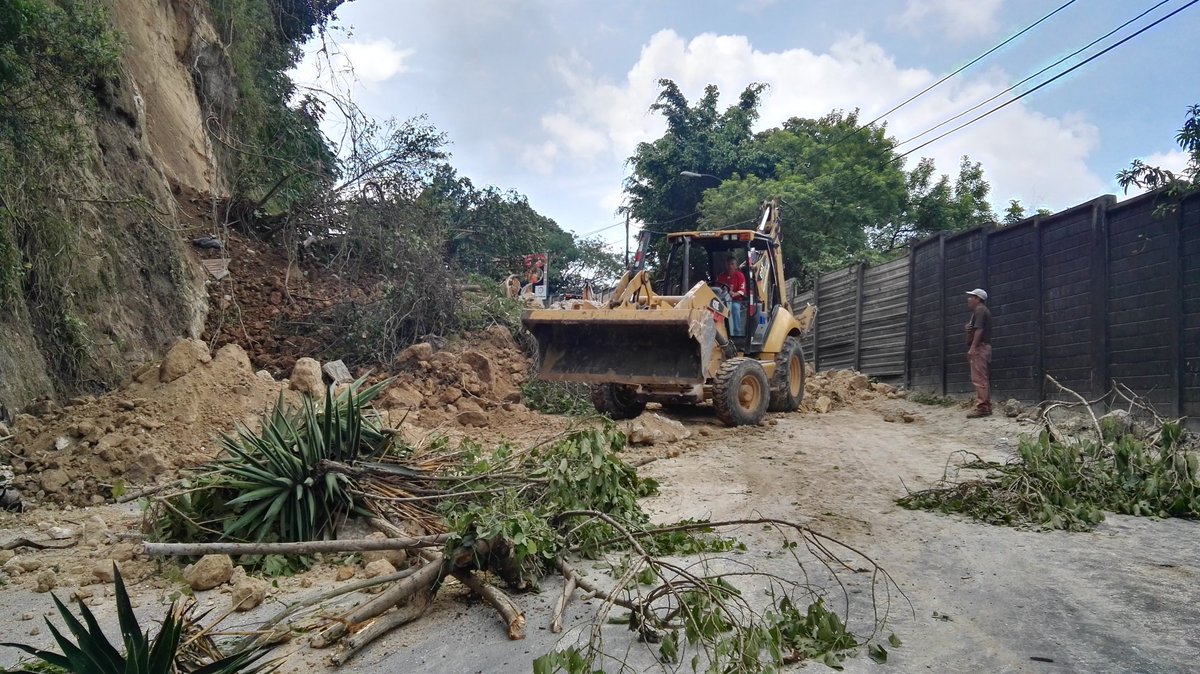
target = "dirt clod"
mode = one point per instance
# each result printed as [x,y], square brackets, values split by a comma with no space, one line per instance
[183,357]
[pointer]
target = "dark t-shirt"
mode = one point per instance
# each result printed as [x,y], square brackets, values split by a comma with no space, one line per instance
[981,319]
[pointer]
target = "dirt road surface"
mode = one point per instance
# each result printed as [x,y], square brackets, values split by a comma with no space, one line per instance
[1123,598]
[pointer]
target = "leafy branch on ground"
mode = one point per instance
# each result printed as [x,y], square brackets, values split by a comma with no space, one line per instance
[516,514]
[1060,482]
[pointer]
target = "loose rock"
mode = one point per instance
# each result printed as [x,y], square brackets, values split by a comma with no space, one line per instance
[652,429]
[248,593]
[345,572]
[823,404]
[379,567]
[415,354]
[102,570]
[397,558]
[183,357]
[209,572]
[46,581]
[306,378]
[54,480]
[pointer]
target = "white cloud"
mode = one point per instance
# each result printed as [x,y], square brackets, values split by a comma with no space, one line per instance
[960,18]
[351,64]
[1025,154]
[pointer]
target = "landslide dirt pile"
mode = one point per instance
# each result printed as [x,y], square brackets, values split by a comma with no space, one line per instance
[165,419]
[271,306]
[835,389]
[473,383]
[168,417]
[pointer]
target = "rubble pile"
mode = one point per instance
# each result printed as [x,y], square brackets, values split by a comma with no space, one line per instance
[168,417]
[164,419]
[834,389]
[464,384]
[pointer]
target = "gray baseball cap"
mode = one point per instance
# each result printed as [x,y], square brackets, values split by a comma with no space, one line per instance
[978,292]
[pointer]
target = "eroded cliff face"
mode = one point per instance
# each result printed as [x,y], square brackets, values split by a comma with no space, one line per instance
[146,177]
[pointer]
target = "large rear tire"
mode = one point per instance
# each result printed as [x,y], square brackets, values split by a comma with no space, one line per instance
[787,384]
[617,401]
[741,392]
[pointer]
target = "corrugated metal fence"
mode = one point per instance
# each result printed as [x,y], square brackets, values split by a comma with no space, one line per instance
[1100,292]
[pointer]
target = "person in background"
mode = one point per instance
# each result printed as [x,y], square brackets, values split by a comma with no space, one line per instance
[979,351]
[735,281]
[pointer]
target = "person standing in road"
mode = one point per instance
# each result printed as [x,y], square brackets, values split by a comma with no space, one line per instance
[979,351]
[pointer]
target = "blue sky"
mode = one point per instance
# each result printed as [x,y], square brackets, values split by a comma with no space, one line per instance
[549,98]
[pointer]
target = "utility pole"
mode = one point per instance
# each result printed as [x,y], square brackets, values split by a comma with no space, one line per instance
[627,240]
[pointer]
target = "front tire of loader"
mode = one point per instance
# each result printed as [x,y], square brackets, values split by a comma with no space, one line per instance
[787,385]
[741,392]
[617,401]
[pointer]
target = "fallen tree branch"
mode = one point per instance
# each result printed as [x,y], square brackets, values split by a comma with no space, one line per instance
[265,630]
[560,607]
[424,580]
[299,548]
[51,544]
[510,613]
[570,573]
[148,491]
[415,608]
[1083,401]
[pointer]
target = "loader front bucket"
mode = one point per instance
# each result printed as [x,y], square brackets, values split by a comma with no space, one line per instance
[620,347]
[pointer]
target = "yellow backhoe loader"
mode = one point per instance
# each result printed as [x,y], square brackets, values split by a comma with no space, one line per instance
[686,338]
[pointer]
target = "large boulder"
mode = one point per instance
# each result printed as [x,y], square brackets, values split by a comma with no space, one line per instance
[306,378]
[182,358]
[401,397]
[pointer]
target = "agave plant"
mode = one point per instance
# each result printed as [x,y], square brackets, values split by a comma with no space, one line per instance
[282,494]
[92,653]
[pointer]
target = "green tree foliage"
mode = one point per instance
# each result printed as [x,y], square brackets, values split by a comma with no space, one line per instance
[277,154]
[595,263]
[54,59]
[846,193]
[699,138]
[836,180]
[1175,186]
[1014,213]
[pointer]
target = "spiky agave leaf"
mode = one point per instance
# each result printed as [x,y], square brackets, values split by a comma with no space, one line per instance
[92,653]
[282,493]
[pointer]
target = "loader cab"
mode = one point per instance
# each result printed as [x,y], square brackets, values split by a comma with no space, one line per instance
[699,256]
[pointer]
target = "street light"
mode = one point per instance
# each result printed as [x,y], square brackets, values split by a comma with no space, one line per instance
[693,174]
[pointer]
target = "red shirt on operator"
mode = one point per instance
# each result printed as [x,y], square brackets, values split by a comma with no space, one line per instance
[733,279]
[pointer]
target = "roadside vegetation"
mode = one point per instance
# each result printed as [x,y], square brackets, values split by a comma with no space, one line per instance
[1061,480]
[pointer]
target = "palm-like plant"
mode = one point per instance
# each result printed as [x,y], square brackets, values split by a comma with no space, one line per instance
[282,493]
[92,653]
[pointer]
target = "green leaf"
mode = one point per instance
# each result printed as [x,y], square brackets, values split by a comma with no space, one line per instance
[877,653]
[894,640]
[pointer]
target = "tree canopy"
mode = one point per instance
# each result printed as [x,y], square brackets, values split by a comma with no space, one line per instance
[846,193]
[1176,185]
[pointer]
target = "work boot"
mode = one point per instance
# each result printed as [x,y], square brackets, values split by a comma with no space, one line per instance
[979,412]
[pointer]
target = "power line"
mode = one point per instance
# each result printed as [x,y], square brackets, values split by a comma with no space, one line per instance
[1052,65]
[1052,79]
[970,63]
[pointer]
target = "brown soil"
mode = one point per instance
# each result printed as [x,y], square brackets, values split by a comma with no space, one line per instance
[271,306]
